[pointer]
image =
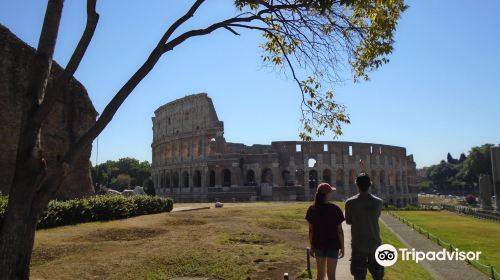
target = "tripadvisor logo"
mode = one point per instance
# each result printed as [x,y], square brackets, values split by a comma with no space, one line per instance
[387,255]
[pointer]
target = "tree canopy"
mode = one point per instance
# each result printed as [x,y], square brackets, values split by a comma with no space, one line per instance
[122,174]
[454,175]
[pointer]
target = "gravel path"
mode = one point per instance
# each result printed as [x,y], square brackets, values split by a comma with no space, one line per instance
[457,270]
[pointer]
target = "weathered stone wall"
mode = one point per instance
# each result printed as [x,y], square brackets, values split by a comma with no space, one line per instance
[193,162]
[71,117]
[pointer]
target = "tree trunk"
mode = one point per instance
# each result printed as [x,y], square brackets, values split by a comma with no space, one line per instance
[16,244]
[17,231]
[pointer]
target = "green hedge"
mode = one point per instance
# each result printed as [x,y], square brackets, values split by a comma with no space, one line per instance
[97,208]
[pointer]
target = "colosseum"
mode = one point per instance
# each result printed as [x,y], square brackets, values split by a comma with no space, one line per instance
[193,162]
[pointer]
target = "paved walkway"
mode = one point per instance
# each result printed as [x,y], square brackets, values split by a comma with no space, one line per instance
[343,265]
[189,208]
[457,270]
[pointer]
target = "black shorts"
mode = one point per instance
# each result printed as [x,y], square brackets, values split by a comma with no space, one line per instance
[361,262]
[332,254]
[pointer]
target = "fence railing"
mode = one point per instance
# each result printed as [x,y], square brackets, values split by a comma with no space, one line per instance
[489,270]
[464,210]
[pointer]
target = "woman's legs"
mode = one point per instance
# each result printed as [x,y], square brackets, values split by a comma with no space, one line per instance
[331,265]
[321,267]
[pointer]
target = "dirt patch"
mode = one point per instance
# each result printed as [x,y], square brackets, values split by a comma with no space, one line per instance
[185,222]
[278,224]
[124,234]
[250,238]
[44,254]
[276,270]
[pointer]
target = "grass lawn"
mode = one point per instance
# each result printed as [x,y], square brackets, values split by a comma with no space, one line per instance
[239,241]
[467,233]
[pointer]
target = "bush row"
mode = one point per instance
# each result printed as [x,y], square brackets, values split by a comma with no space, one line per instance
[97,208]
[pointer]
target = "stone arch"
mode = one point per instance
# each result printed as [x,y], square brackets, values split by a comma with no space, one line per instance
[226,178]
[327,176]
[285,175]
[267,176]
[185,179]
[250,178]
[299,175]
[211,179]
[313,179]
[339,177]
[197,179]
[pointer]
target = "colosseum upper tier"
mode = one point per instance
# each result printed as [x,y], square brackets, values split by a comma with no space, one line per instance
[193,162]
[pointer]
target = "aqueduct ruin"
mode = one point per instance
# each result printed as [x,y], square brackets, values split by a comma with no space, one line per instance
[193,162]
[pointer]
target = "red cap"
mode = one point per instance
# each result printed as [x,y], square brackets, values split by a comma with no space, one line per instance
[325,188]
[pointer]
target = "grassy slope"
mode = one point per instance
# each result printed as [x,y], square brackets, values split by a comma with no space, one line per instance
[467,233]
[260,240]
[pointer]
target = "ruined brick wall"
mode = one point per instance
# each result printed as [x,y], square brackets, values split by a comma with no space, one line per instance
[71,117]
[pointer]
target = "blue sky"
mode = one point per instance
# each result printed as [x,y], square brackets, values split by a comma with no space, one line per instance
[440,92]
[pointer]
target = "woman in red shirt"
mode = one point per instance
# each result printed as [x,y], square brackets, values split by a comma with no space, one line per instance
[325,232]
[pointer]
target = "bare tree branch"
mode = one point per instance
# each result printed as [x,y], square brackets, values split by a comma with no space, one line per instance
[190,13]
[77,56]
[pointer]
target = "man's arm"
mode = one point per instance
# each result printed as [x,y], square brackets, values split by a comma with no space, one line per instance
[379,208]
[348,218]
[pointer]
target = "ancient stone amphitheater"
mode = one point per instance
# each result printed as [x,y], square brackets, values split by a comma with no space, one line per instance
[193,162]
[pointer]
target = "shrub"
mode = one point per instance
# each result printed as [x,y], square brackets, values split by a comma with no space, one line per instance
[97,208]
[3,206]
[471,199]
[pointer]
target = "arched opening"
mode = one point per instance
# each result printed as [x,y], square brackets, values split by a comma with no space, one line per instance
[327,176]
[392,179]
[391,201]
[339,178]
[311,162]
[382,178]
[185,179]
[250,178]
[267,176]
[285,175]
[197,179]
[167,180]
[226,178]
[176,180]
[313,179]
[211,179]
[299,175]
[162,180]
